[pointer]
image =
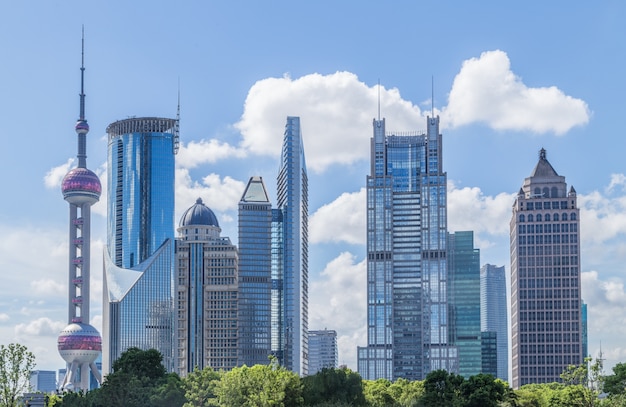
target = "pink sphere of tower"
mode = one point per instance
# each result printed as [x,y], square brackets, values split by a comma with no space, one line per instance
[79,343]
[81,185]
[82,127]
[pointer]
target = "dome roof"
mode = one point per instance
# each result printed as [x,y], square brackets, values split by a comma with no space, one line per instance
[81,182]
[199,215]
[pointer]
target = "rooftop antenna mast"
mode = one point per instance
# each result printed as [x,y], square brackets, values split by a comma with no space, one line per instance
[177,125]
[378,99]
[432,95]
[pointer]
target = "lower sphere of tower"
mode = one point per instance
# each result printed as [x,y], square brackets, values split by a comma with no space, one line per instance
[79,343]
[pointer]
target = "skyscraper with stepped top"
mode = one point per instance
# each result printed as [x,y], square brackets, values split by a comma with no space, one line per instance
[79,343]
[546,321]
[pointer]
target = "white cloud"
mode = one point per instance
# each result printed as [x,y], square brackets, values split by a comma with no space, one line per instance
[202,152]
[343,220]
[617,180]
[335,110]
[55,175]
[337,300]
[39,327]
[4,317]
[49,287]
[487,91]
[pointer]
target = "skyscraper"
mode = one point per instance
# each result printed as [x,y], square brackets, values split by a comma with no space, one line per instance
[323,351]
[138,269]
[79,343]
[546,326]
[255,277]
[464,301]
[290,253]
[206,293]
[407,299]
[494,313]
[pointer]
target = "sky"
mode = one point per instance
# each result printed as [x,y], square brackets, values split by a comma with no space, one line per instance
[506,79]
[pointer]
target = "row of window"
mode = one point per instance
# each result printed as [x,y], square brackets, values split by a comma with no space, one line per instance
[547,218]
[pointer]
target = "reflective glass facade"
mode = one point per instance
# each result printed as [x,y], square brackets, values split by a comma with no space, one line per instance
[138,273]
[255,279]
[464,301]
[494,313]
[292,202]
[546,321]
[407,305]
[206,298]
[323,352]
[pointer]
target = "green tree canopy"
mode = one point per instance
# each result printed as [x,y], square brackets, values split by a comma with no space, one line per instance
[200,386]
[16,363]
[333,386]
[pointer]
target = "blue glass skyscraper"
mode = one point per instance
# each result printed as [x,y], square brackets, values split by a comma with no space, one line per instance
[138,271]
[407,303]
[494,313]
[255,243]
[291,277]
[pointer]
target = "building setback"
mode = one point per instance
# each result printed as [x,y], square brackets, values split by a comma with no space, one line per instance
[407,271]
[494,314]
[206,293]
[323,352]
[546,323]
[138,258]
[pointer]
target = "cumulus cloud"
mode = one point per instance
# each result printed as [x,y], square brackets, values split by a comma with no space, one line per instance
[335,109]
[343,220]
[337,300]
[4,317]
[603,215]
[48,287]
[39,327]
[55,175]
[203,151]
[486,90]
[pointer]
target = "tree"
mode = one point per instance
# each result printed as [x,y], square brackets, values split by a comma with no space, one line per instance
[377,393]
[616,383]
[333,386]
[483,390]
[200,386]
[585,382]
[16,363]
[442,389]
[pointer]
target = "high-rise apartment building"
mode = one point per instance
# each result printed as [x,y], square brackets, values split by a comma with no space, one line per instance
[290,254]
[138,269]
[323,350]
[464,301]
[407,270]
[255,277]
[546,323]
[79,343]
[494,313]
[206,293]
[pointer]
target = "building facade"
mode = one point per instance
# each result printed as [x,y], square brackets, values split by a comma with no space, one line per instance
[138,259]
[323,350]
[79,343]
[494,313]
[464,301]
[44,381]
[546,323]
[206,293]
[290,254]
[255,277]
[407,299]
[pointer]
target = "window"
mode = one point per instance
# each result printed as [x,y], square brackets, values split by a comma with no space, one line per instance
[522,218]
[572,216]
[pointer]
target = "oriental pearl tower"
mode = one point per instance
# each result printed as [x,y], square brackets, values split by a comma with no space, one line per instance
[79,343]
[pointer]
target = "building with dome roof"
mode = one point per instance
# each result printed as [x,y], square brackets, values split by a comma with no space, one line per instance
[206,290]
[546,320]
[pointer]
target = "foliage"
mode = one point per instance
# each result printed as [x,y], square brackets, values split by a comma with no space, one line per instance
[199,387]
[16,363]
[140,363]
[442,389]
[260,386]
[483,390]
[377,393]
[334,386]
[616,383]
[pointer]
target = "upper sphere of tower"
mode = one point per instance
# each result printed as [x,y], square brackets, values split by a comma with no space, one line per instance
[80,343]
[81,185]
[82,127]
[199,215]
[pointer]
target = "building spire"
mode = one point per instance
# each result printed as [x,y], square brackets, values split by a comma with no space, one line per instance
[432,96]
[82,77]
[378,99]
[177,125]
[82,128]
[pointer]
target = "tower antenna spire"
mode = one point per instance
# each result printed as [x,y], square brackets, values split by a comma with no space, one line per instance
[177,125]
[432,95]
[82,77]
[378,99]
[82,128]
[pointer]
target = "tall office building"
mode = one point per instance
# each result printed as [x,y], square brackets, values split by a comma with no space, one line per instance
[255,278]
[206,293]
[79,343]
[584,330]
[464,301]
[407,299]
[138,266]
[44,381]
[494,313]
[290,254]
[323,350]
[546,325]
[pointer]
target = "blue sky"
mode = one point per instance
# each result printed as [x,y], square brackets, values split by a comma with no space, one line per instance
[509,79]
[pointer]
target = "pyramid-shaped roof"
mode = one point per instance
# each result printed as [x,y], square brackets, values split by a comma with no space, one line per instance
[255,191]
[543,169]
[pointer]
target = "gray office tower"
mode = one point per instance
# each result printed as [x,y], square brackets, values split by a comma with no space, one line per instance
[138,258]
[323,352]
[274,243]
[546,320]
[494,314]
[407,299]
